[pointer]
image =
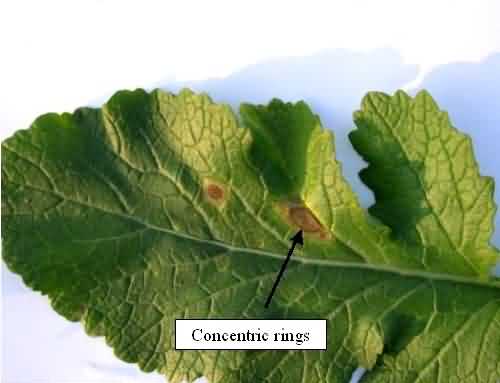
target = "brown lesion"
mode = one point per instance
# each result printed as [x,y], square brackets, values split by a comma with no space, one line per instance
[214,192]
[300,216]
[304,218]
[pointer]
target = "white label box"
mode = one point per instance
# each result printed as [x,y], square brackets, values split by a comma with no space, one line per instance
[250,334]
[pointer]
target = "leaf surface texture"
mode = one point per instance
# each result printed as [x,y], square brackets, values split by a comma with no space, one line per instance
[160,206]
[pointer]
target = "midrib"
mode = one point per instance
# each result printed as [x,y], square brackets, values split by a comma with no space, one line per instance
[341,264]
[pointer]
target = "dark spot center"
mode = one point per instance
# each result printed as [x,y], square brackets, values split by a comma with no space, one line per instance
[215,192]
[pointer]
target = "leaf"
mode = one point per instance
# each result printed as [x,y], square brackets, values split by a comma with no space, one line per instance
[426,181]
[281,136]
[160,206]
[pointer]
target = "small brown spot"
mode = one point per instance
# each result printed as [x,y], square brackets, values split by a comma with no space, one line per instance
[215,192]
[303,218]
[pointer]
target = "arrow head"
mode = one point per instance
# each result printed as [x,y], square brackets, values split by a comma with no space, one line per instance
[298,238]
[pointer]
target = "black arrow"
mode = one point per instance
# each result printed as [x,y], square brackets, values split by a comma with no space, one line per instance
[297,238]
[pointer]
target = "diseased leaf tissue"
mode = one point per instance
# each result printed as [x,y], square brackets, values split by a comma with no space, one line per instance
[160,206]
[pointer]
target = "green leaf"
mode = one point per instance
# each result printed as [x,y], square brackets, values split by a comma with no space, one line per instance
[160,206]
[426,181]
[281,135]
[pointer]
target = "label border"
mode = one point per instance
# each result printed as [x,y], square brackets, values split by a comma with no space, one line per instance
[251,349]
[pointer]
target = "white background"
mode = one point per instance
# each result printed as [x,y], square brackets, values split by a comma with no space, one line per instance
[58,55]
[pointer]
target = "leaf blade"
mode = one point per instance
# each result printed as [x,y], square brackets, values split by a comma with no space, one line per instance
[153,210]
